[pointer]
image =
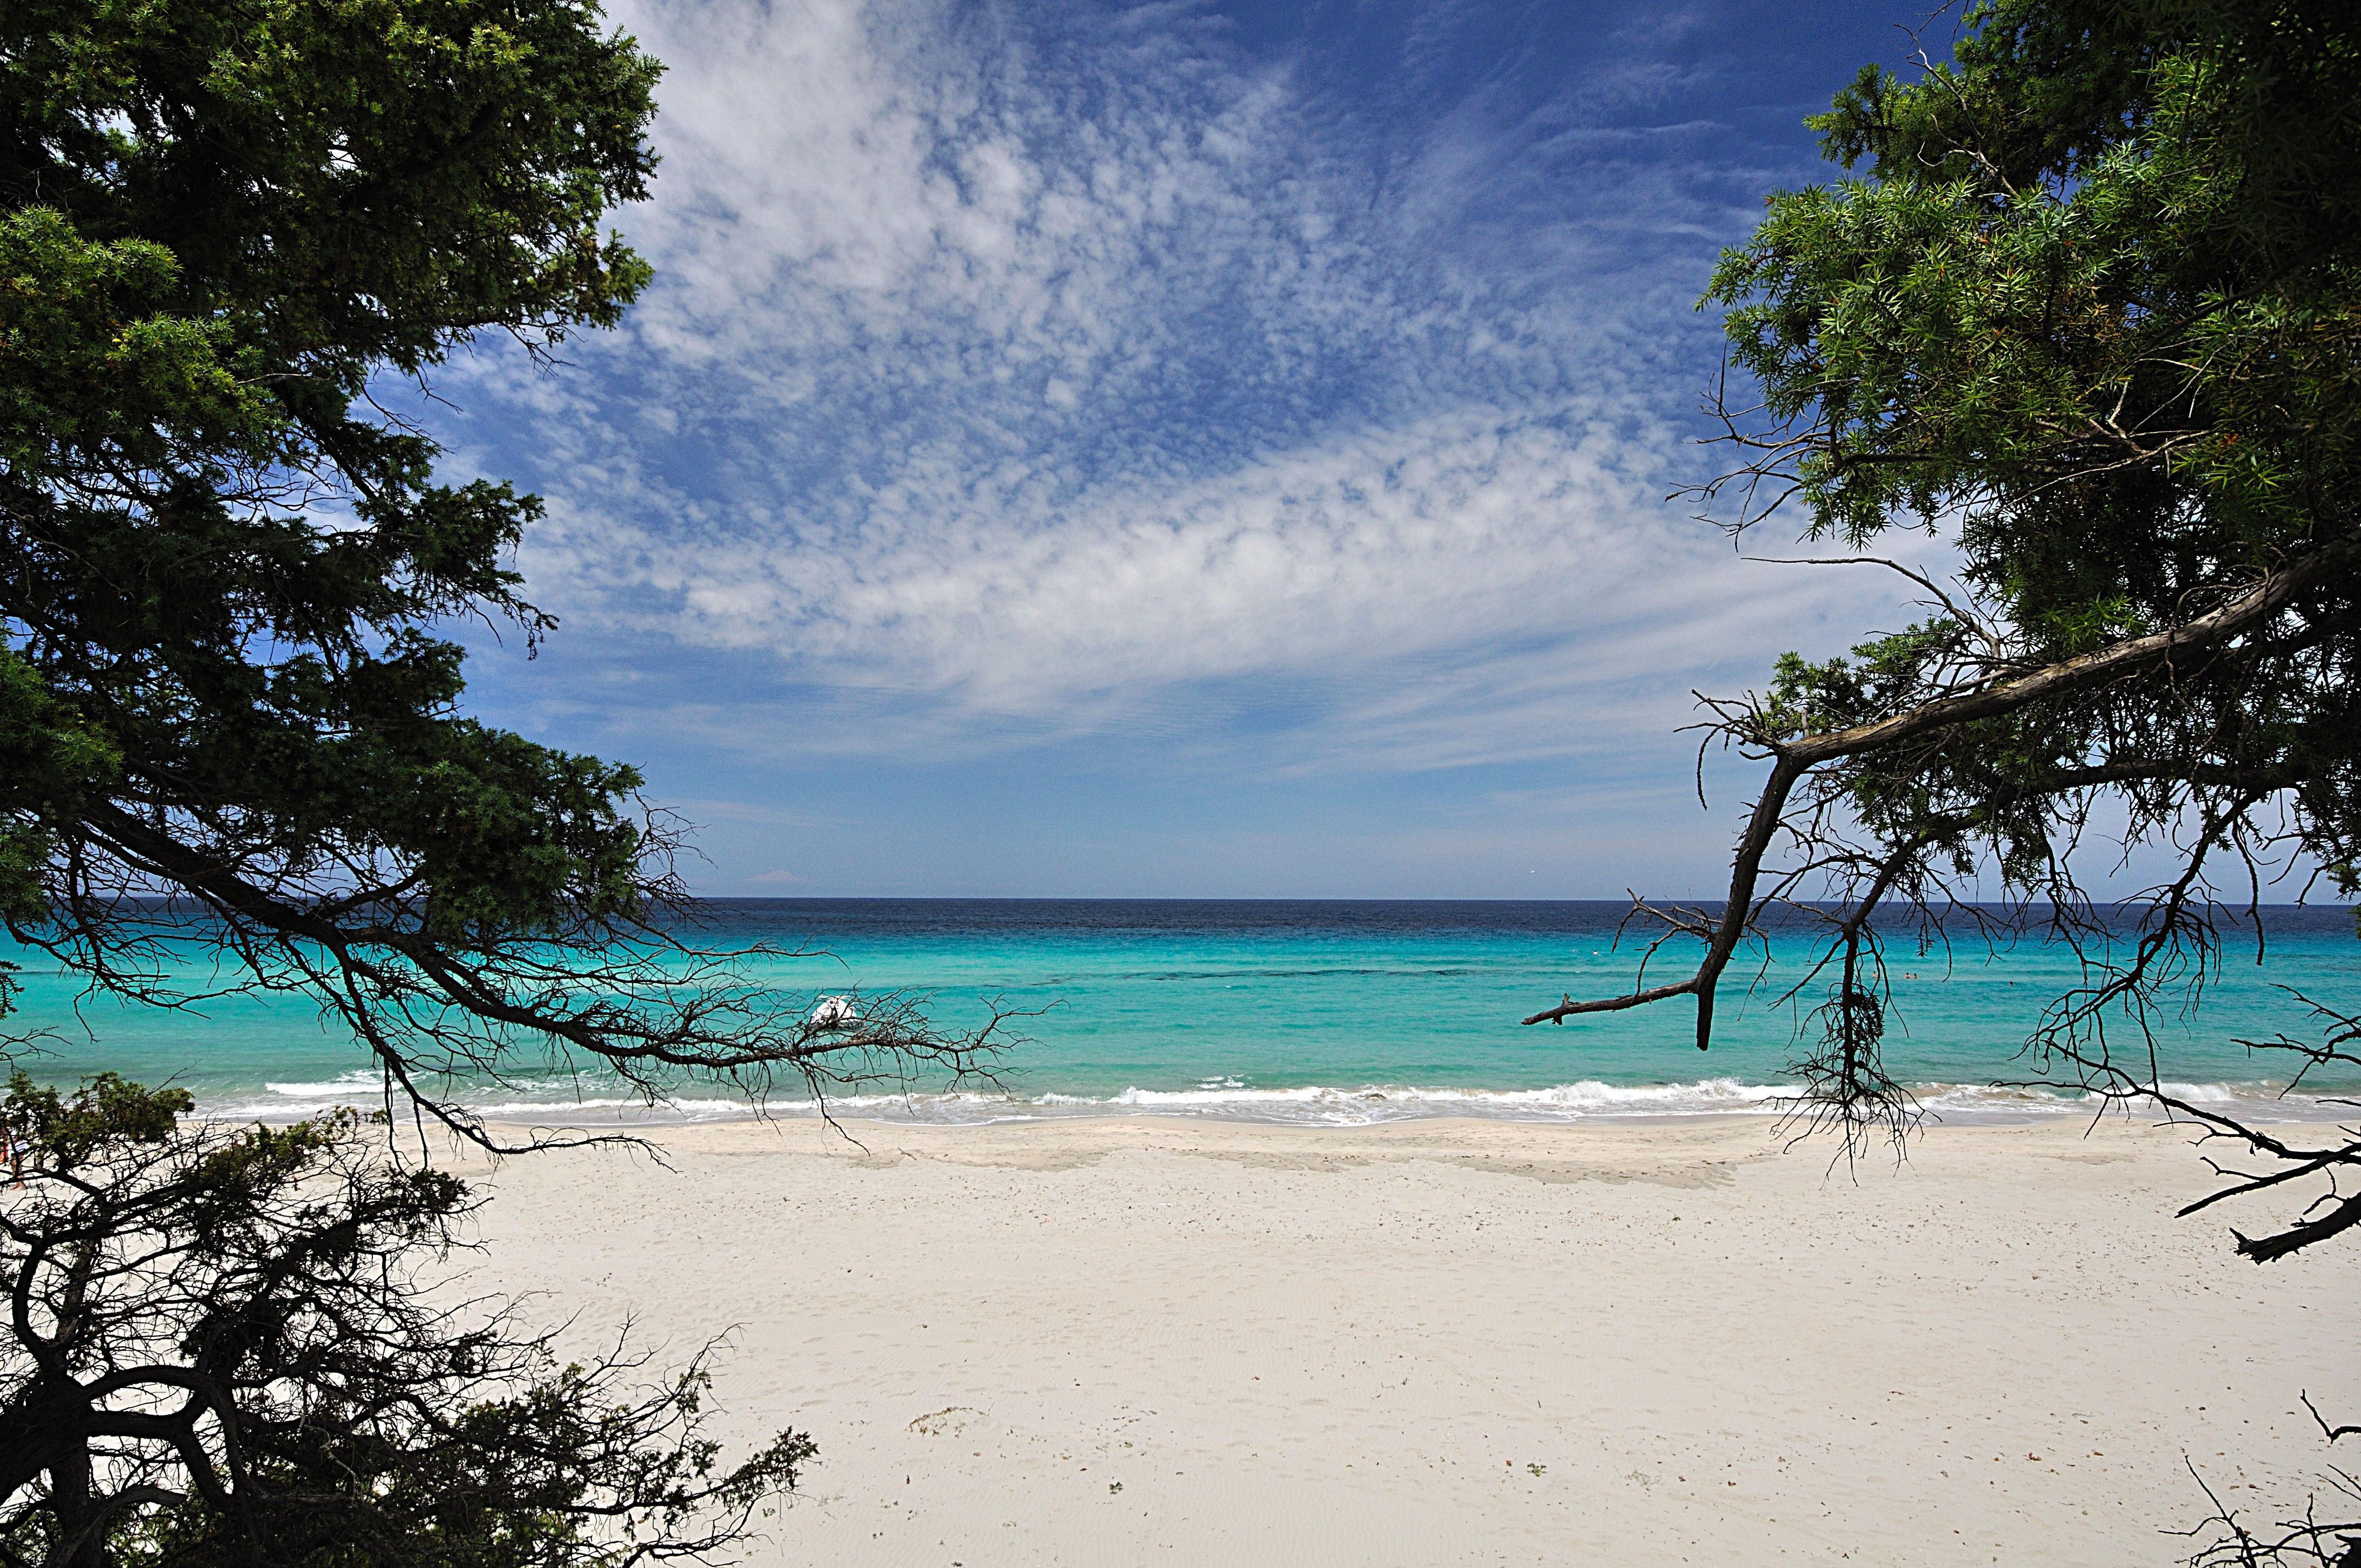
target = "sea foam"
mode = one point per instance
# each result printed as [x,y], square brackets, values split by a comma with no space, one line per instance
[1231,1100]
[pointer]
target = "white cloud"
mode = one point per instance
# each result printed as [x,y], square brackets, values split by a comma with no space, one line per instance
[1007,381]
[915,197]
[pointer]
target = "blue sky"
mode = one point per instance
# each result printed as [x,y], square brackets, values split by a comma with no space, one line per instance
[1172,450]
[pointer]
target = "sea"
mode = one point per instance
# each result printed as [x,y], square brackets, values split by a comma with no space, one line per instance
[1303,1011]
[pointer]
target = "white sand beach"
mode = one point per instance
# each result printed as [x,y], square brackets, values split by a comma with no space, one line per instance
[1142,1340]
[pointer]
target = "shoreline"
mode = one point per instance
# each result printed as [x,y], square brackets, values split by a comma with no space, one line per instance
[1118,1339]
[1571,1105]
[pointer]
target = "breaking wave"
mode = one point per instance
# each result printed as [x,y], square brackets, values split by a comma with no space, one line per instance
[1232,1100]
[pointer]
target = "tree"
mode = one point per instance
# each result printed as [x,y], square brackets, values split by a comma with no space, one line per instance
[2331,1543]
[233,1346]
[2093,316]
[226,223]
[2088,312]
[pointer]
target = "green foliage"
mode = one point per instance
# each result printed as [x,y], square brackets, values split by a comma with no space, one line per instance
[231,1351]
[104,1116]
[49,758]
[2091,294]
[223,570]
[2091,314]
[2093,304]
[223,221]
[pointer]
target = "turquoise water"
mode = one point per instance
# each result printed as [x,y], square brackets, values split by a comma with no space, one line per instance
[1293,1012]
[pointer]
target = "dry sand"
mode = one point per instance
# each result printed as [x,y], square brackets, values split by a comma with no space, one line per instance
[1140,1341]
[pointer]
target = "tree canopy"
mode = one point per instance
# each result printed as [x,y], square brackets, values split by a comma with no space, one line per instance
[224,225]
[235,1347]
[2087,312]
[2086,318]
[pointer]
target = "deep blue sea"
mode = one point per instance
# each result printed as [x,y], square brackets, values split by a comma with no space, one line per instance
[1340,1012]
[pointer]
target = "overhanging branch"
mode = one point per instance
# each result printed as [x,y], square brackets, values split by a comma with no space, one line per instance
[2276,592]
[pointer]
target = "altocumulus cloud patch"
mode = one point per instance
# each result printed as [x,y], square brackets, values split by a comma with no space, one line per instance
[1054,369]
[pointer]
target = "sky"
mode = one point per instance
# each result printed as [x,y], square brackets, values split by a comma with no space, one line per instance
[1174,450]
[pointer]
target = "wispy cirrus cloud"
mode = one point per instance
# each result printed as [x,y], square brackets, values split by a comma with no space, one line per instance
[1020,372]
